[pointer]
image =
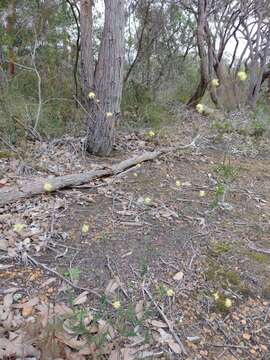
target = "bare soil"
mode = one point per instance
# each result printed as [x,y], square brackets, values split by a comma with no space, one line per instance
[218,242]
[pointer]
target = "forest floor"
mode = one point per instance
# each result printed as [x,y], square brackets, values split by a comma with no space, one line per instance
[177,251]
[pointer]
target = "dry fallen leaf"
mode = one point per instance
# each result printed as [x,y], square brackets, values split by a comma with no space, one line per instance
[112,286]
[32,302]
[8,300]
[178,276]
[175,347]
[246,336]
[47,282]
[158,323]
[3,182]
[81,299]
[139,309]
[27,311]
[3,244]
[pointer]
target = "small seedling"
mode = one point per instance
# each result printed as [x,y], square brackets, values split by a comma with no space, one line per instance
[73,274]
[218,194]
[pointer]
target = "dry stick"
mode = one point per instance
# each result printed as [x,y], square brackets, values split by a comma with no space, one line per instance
[113,275]
[37,263]
[176,337]
[227,346]
[261,250]
[11,194]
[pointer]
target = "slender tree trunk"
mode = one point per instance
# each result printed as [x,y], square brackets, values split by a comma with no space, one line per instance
[10,31]
[86,59]
[204,63]
[2,75]
[257,76]
[108,81]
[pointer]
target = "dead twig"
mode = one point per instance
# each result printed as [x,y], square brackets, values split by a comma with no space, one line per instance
[253,247]
[113,275]
[45,267]
[170,326]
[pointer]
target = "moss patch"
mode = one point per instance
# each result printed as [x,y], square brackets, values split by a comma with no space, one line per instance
[7,155]
[260,258]
[219,248]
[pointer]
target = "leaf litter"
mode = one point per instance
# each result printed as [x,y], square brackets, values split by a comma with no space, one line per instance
[34,227]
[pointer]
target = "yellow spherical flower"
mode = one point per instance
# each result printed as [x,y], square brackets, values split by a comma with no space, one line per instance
[48,187]
[170,292]
[228,303]
[85,229]
[216,296]
[18,227]
[200,108]
[147,201]
[242,75]
[109,114]
[91,95]
[178,183]
[151,133]
[116,304]
[202,193]
[215,82]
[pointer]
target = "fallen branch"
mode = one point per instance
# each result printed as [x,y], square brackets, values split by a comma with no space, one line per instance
[260,250]
[12,194]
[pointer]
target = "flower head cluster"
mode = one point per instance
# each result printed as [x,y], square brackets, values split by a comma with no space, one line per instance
[228,303]
[170,292]
[85,229]
[48,187]
[242,75]
[91,95]
[215,82]
[200,108]
[18,227]
[147,201]
[116,305]
[202,193]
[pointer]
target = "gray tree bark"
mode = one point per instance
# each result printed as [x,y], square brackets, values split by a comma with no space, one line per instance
[204,63]
[108,81]
[86,56]
[1,66]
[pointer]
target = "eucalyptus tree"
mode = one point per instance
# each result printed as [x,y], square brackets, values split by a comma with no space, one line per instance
[102,81]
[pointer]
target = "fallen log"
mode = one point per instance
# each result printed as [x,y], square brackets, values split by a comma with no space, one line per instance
[15,193]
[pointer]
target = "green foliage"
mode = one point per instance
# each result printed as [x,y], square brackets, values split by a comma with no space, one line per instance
[226,171]
[222,128]
[73,274]
[260,258]
[220,248]
[258,129]
[218,194]
[140,109]
[186,80]
[261,117]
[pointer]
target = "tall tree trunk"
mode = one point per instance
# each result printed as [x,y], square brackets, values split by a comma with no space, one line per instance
[86,59]
[108,81]
[2,75]
[11,33]
[203,54]
[257,72]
